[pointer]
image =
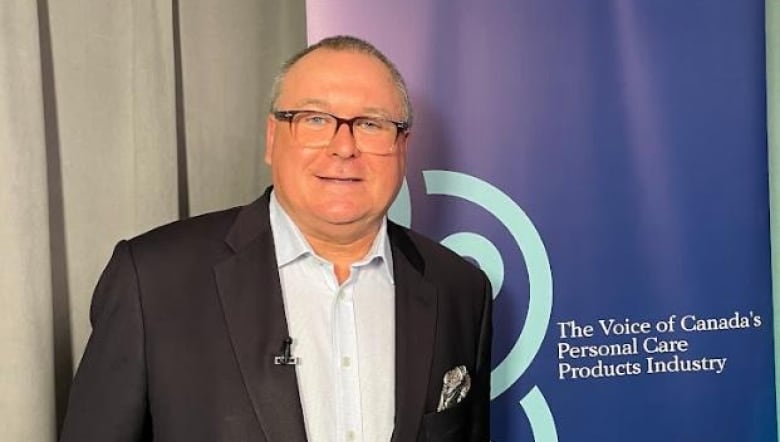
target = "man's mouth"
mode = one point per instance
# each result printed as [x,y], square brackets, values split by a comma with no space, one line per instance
[339,179]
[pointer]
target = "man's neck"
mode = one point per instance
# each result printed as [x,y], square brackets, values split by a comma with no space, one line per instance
[342,253]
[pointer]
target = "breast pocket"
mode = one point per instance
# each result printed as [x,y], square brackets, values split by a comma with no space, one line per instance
[451,425]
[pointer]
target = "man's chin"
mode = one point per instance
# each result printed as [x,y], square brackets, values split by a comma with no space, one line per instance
[342,221]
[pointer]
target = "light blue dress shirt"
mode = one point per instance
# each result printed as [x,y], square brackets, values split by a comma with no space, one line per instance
[343,335]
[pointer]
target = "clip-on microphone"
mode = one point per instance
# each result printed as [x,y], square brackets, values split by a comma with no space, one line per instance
[286,358]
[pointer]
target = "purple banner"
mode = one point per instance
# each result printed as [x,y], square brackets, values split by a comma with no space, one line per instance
[605,164]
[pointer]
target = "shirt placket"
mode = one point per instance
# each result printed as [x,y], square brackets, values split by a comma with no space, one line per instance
[348,417]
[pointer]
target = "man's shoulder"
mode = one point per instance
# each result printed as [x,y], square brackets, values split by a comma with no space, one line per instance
[202,238]
[212,226]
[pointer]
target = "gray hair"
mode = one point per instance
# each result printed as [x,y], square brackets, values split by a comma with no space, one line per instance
[345,43]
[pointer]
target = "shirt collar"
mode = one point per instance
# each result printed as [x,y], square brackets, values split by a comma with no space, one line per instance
[290,244]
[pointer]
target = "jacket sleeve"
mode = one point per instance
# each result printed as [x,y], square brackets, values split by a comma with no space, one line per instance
[480,429]
[108,397]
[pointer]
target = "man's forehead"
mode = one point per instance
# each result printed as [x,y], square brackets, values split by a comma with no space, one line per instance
[323,69]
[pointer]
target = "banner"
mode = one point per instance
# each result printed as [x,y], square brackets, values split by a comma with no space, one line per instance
[605,163]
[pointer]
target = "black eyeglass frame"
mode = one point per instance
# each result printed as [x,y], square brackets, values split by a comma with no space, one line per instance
[288,115]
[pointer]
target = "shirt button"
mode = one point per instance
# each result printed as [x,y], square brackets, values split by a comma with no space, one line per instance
[350,435]
[346,362]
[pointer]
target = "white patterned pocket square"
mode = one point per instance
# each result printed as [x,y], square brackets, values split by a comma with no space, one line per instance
[455,387]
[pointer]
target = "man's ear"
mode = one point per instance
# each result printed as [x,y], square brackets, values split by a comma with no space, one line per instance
[270,133]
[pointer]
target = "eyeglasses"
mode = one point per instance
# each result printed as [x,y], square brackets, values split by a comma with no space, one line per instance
[315,129]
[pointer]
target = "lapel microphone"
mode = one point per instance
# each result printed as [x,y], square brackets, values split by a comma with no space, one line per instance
[286,358]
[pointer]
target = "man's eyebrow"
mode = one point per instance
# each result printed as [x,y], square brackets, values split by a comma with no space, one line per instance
[377,111]
[325,106]
[316,102]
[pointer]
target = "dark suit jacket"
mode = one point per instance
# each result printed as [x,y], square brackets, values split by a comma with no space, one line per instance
[187,318]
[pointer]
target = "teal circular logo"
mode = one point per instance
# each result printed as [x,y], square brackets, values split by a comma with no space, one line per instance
[488,257]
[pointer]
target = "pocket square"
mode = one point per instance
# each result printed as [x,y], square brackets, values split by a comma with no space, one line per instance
[455,387]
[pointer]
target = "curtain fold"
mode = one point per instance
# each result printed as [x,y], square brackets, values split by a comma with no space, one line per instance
[230,53]
[114,93]
[26,332]
[113,116]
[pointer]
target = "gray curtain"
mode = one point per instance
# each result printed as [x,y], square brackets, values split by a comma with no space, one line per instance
[115,117]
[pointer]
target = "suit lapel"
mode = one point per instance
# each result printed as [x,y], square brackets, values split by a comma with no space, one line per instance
[251,297]
[252,301]
[415,323]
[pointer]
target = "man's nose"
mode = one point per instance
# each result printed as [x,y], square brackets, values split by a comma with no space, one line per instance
[343,142]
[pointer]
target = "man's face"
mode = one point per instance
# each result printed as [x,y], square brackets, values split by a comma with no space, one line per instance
[336,191]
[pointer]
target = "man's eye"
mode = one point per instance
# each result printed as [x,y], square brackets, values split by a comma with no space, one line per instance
[369,124]
[315,119]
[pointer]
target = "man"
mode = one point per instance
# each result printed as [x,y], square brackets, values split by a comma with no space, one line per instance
[306,315]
